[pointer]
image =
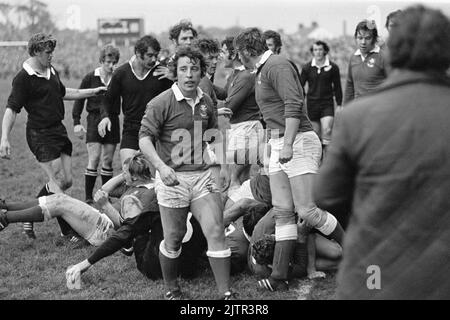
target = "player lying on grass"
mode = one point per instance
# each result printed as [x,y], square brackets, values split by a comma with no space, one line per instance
[251,196]
[88,222]
[304,262]
[137,213]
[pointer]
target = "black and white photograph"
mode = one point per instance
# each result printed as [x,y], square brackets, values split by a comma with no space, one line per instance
[254,151]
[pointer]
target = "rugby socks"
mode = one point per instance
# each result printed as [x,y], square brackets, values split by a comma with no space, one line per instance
[20,205]
[220,265]
[28,226]
[90,176]
[169,266]
[331,228]
[106,174]
[286,239]
[33,214]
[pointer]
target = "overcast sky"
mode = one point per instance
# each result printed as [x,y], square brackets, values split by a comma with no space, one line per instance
[159,15]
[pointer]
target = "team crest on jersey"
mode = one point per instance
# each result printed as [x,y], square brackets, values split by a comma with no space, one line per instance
[203,111]
[371,63]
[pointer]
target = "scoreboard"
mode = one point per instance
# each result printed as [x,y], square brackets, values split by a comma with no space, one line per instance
[121,32]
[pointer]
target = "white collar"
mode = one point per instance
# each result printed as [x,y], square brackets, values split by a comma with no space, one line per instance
[264,58]
[326,64]
[29,69]
[180,97]
[97,74]
[375,49]
[209,76]
[149,185]
[240,68]
[131,65]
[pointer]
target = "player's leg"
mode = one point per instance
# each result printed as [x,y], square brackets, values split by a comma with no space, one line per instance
[174,227]
[82,217]
[174,206]
[327,249]
[208,212]
[301,170]
[326,123]
[90,176]
[285,230]
[107,162]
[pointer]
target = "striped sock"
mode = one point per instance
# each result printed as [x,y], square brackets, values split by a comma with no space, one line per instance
[106,174]
[28,227]
[90,176]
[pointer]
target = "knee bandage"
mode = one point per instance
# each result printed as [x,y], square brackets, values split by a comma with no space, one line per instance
[286,232]
[43,205]
[329,225]
[219,254]
[167,253]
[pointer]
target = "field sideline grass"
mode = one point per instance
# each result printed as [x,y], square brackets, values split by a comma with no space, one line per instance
[36,269]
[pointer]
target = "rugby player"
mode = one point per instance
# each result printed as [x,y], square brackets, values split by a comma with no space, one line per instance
[324,83]
[136,84]
[183,180]
[98,146]
[295,151]
[38,88]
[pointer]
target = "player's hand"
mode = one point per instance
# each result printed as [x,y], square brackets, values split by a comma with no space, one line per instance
[104,125]
[73,277]
[101,197]
[286,154]
[100,90]
[79,131]
[339,109]
[163,72]
[227,112]
[168,176]
[5,149]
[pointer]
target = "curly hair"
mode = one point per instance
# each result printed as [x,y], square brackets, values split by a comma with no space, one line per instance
[324,45]
[138,166]
[421,41]
[368,25]
[109,51]
[392,16]
[183,25]
[229,42]
[252,41]
[270,34]
[40,42]
[146,42]
[253,215]
[207,45]
[193,54]
[263,249]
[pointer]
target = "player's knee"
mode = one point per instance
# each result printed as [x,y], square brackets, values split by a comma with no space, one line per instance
[108,160]
[214,233]
[174,238]
[169,250]
[58,198]
[311,214]
[93,162]
[66,184]
[326,131]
